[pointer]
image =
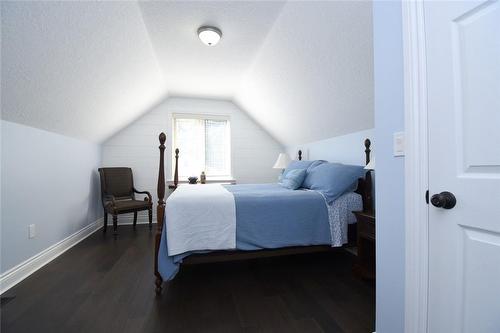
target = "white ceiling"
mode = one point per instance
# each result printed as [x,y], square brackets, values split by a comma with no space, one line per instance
[192,68]
[303,70]
[313,77]
[83,69]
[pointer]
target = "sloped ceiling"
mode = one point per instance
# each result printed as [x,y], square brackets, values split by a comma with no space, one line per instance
[192,68]
[303,70]
[83,69]
[313,77]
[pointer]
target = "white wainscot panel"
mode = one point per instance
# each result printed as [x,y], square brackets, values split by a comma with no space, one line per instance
[481,281]
[477,66]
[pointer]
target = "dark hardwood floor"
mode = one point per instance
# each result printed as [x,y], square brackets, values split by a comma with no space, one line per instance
[106,285]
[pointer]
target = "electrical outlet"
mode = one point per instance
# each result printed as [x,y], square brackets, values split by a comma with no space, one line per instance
[399,144]
[32,231]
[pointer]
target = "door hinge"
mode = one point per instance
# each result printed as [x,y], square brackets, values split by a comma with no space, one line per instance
[427,196]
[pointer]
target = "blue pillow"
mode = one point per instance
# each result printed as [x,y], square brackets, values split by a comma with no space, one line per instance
[333,179]
[297,165]
[307,180]
[293,165]
[293,179]
[315,164]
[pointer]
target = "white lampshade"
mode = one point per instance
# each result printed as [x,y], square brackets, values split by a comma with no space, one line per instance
[371,164]
[282,161]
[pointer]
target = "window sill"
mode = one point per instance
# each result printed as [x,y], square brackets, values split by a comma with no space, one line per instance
[230,181]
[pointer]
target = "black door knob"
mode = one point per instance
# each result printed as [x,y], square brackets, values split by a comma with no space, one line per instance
[444,200]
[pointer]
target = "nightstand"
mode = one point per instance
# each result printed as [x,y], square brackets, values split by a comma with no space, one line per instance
[365,264]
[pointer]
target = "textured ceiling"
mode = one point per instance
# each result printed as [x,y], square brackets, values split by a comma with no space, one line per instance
[303,70]
[192,68]
[313,77]
[82,69]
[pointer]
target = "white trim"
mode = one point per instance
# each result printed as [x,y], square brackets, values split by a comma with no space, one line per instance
[208,181]
[18,273]
[201,116]
[416,168]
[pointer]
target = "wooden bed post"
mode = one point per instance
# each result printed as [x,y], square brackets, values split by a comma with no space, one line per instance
[300,155]
[368,202]
[160,212]
[176,173]
[368,143]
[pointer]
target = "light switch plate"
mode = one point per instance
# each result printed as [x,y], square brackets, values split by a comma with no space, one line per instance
[399,144]
[32,231]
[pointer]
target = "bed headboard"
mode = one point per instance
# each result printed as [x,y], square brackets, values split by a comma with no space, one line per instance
[364,184]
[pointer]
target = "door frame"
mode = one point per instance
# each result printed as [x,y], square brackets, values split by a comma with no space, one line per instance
[416,168]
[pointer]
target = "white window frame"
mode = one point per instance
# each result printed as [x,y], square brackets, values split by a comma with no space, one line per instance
[203,117]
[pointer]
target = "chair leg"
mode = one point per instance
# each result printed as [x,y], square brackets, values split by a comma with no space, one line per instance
[135,219]
[115,224]
[105,222]
[150,213]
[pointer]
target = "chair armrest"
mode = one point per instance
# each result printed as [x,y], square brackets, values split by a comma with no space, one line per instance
[144,192]
[108,199]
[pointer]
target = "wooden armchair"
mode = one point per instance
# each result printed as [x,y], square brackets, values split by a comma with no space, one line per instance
[118,196]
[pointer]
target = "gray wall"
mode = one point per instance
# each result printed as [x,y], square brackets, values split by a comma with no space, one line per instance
[389,118]
[49,180]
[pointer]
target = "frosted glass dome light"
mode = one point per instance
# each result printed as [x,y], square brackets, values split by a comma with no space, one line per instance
[209,35]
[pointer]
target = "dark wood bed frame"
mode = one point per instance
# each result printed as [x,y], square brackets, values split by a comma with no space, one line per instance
[364,189]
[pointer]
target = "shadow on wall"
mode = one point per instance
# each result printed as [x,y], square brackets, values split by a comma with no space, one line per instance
[94,210]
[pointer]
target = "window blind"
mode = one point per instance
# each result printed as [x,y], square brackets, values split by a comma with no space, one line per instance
[204,145]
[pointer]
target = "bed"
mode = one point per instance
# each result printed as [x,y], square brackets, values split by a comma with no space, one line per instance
[213,222]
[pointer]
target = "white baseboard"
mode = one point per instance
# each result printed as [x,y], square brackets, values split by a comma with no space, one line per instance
[18,273]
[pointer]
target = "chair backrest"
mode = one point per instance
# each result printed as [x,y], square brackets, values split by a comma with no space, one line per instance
[117,182]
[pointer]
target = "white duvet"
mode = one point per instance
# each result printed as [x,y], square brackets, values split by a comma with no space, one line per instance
[200,218]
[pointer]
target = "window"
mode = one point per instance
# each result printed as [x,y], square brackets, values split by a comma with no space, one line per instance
[204,144]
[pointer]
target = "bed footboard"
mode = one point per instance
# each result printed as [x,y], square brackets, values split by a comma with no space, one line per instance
[160,211]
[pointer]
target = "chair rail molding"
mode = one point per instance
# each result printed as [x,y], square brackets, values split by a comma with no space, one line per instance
[21,271]
[416,167]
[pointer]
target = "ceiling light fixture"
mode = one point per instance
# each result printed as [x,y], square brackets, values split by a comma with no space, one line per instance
[209,35]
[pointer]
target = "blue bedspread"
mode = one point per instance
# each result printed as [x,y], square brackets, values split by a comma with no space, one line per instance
[267,216]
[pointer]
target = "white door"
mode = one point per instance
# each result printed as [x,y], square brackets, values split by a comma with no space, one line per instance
[463,90]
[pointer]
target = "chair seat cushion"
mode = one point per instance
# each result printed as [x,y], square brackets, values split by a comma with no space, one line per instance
[131,205]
